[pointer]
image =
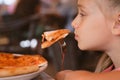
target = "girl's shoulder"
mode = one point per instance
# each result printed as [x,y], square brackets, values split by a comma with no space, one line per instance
[104,63]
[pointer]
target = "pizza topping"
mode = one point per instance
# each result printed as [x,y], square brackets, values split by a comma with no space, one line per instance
[24,60]
[10,62]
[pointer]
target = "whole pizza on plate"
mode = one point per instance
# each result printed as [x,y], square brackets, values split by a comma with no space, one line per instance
[14,64]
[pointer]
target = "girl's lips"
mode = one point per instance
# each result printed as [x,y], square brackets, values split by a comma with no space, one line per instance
[76,37]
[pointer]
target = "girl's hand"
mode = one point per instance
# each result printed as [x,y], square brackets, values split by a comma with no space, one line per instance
[61,75]
[74,75]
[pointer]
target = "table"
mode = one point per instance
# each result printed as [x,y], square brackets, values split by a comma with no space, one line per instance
[43,76]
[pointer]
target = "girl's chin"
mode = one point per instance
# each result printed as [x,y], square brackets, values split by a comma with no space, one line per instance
[89,48]
[84,47]
[81,47]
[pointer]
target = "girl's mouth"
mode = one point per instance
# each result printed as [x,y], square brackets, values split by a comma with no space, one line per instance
[76,37]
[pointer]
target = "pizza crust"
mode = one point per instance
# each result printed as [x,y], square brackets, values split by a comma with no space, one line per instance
[12,65]
[6,72]
[53,36]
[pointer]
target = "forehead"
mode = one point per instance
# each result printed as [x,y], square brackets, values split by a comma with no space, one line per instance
[84,1]
[87,4]
[92,2]
[94,5]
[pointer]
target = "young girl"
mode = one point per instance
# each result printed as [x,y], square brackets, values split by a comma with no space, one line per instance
[97,27]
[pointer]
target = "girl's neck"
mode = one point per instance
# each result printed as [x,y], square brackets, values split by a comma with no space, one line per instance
[115,56]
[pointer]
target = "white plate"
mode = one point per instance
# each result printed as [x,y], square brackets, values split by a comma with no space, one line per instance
[27,76]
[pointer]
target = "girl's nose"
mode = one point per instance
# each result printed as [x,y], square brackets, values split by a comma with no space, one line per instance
[74,23]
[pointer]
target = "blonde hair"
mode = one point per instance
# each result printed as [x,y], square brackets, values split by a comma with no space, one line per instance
[115,3]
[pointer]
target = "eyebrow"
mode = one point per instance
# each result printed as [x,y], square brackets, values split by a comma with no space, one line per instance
[80,6]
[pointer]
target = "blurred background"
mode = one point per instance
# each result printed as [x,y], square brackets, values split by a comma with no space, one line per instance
[23,21]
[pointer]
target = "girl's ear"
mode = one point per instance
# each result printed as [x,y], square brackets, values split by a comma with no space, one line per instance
[116,27]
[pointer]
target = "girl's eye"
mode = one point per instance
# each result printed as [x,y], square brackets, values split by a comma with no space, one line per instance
[81,14]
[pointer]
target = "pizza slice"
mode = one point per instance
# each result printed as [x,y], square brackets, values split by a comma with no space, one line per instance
[12,64]
[50,37]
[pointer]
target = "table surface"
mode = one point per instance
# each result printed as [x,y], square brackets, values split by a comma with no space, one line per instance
[43,76]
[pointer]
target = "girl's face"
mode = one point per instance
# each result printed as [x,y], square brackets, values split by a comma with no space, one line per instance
[92,27]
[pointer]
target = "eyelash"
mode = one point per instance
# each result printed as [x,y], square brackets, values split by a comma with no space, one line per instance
[81,14]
